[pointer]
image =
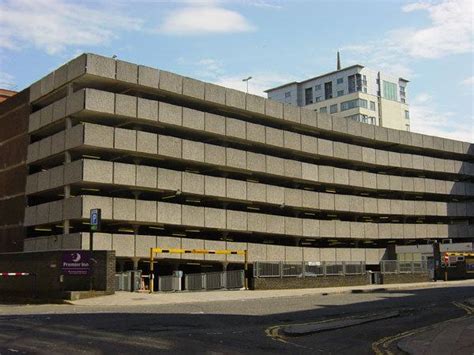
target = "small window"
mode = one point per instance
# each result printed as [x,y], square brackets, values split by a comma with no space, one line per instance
[323,109]
[317,87]
[340,80]
[340,93]
[407,114]
[333,108]
[317,99]
[372,105]
[308,95]
[287,94]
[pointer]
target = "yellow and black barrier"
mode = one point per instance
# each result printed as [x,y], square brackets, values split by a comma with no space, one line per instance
[154,251]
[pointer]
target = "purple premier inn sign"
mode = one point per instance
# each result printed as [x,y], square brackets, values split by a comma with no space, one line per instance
[76,262]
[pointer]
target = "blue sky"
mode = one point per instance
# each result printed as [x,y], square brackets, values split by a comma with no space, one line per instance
[428,42]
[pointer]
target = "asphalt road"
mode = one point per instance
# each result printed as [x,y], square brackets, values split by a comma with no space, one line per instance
[247,326]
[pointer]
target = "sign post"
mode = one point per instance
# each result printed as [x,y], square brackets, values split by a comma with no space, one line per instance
[446,263]
[95,224]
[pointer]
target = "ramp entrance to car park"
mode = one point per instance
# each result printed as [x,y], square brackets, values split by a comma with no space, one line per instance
[200,281]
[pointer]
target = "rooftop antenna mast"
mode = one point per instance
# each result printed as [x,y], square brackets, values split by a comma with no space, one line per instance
[338,61]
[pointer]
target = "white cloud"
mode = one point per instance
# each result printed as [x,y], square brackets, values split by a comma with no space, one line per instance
[7,81]
[449,32]
[213,71]
[428,118]
[415,6]
[257,85]
[204,18]
[54,25]
[468,81]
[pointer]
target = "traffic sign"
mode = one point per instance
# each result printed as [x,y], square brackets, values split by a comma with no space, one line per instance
[95,219]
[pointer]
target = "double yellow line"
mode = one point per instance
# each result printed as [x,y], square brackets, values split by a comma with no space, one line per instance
[382,346]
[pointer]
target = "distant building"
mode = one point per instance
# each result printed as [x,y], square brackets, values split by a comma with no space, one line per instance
[355,92]
[5,94]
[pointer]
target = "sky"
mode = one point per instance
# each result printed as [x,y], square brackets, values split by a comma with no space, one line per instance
[430,43]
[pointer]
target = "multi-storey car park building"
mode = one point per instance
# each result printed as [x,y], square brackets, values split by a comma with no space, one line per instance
[177,162]
[354,92]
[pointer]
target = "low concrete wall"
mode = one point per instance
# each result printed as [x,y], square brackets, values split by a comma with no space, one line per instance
[405,278]
[307,282]
[49,284]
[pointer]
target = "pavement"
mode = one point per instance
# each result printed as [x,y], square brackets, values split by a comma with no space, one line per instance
[134,298]
[455,336]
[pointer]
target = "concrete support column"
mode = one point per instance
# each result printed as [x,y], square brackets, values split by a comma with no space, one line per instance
[225,264]
[121,264]
[135,261]
[67,188]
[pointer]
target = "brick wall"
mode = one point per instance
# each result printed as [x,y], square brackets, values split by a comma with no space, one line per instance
[14,140]
[308,282]
[47,266]
[405,278]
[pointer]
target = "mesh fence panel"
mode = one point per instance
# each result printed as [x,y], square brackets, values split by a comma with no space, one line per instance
[313,269]
[333,268]
[292,269]
[234,279]
[267,269]
[354,268]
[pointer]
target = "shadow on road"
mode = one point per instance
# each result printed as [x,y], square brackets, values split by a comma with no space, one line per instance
[218,326]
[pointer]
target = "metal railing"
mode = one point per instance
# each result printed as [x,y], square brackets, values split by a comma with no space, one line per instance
[403,267]
[215,280]
[169,283]
[308,269]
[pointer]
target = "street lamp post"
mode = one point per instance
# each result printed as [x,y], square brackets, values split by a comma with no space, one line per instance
[247,81]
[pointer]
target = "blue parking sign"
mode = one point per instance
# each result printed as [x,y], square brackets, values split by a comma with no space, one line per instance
[95,219]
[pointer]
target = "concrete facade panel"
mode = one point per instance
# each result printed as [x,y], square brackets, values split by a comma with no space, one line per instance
[236,220]
[214,154]
[101,136]
[147,176]
[235,98]
[170,114]
[275,194]
[147,142]
[98,171]
[169,146]
[214,186]
[169,179]
[124,209]
[148,76]
[193,88]
[256,192]
[125,174]
[168,213]
[147,109]
[146,211]
[214,218]
[256,162]
[193,216]
[193,183]
[214,123]
[255,103]
[275,224]
[193,151]
[193,119]
[171,82]
[256,222]
[125,105]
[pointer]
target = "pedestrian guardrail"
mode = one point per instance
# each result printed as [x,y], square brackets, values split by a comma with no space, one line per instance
[403,267]
[215,280]
[308,269]
[169,283]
